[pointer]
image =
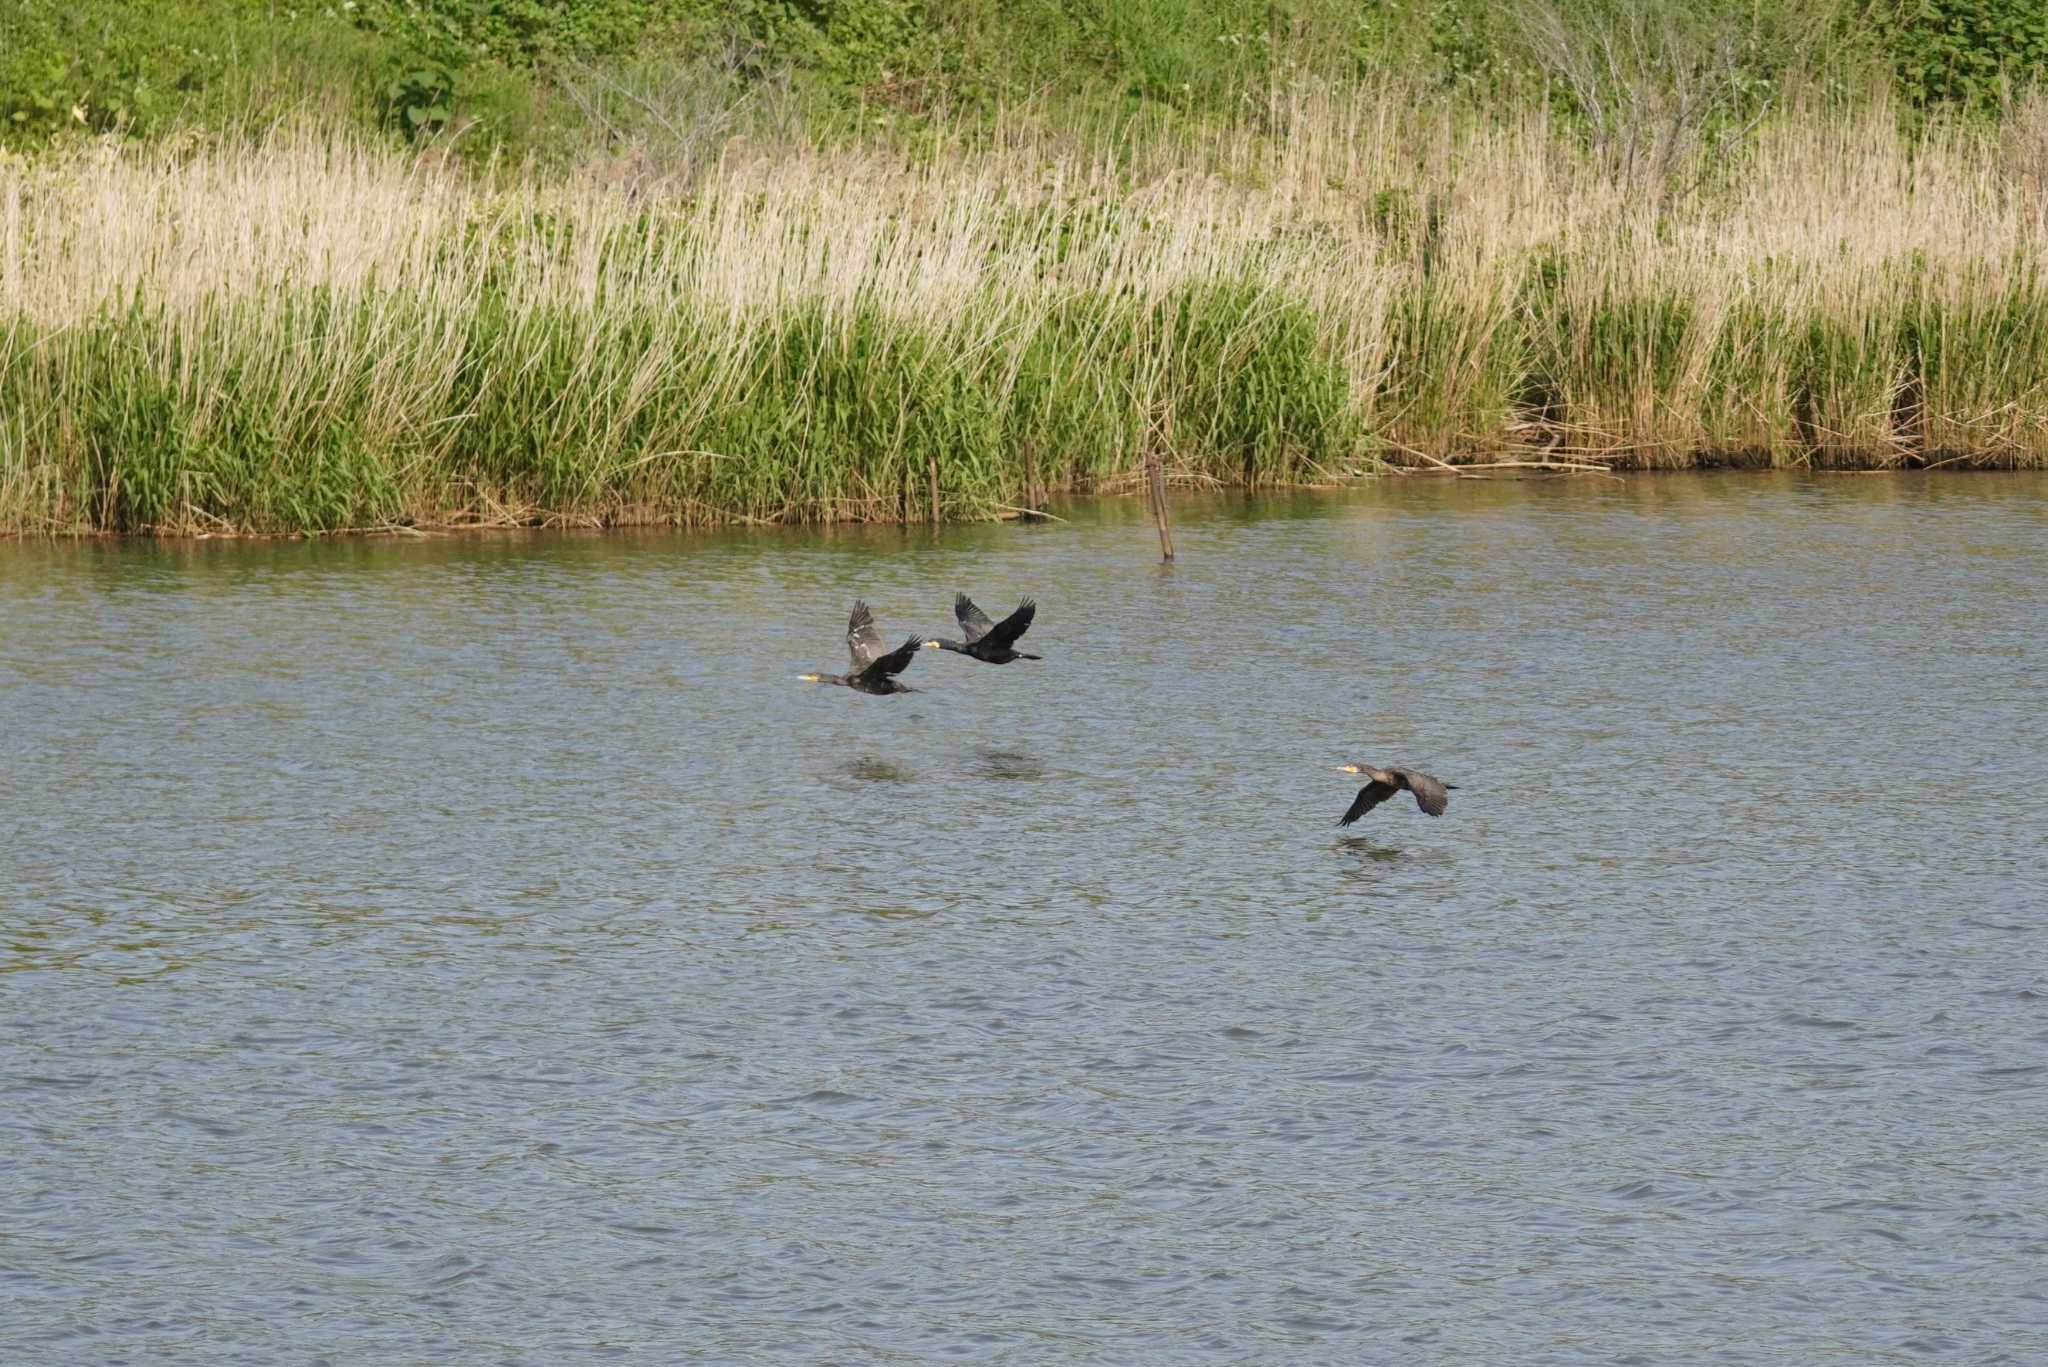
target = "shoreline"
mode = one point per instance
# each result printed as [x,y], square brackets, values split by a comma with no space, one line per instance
[1120,490]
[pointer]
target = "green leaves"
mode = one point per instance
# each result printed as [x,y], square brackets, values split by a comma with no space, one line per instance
[97,66]
[1970,52]
[114,66]
[515,33]
[420,101]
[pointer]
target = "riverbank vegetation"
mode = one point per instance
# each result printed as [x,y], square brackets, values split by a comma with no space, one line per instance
[743,277]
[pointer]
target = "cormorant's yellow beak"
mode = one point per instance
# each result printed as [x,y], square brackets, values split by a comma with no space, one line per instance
[931,645]
[810,678]
[1347,769]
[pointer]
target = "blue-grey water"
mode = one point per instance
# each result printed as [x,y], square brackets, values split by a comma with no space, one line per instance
[485,950]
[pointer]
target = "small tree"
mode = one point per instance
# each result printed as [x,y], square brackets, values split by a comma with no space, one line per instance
[1662,86]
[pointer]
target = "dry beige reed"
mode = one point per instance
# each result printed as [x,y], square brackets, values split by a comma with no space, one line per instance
[317,333]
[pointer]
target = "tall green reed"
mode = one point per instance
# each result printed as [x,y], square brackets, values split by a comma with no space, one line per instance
[314,334]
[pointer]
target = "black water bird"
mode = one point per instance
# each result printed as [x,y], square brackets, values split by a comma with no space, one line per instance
[989,642]
[873,671]
[1431,794]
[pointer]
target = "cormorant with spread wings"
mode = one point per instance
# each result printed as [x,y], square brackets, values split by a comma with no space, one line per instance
[873,672]
[990,642]
[1430,794]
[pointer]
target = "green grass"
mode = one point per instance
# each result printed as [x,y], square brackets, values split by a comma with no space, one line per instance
[567,78]
[303,419]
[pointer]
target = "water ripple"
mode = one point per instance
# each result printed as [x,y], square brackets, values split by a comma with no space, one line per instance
[481,950]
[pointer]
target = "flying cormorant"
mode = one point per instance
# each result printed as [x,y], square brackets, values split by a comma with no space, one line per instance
[1430,794]
[873,672]
[988,641]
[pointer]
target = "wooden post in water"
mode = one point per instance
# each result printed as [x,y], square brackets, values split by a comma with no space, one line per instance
[1155,475]
[935,490]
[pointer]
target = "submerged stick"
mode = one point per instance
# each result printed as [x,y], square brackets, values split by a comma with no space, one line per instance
[1465,471]
[1566,466]
[1157,477]
[1455,472]
[1028,512]
[1950,461]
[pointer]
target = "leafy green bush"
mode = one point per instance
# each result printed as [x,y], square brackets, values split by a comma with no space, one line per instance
[1969,52]
[518,33]
[500,66]
[106,65]
[421,101]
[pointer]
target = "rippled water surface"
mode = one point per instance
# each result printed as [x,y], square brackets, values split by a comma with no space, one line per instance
[486,950]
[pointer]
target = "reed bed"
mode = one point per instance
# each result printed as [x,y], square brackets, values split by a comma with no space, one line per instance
[311,332]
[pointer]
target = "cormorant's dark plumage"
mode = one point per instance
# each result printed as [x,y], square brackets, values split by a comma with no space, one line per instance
[873,671]
[1430,794]
[990,642]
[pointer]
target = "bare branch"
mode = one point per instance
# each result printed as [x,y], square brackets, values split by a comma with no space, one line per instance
[1665,91]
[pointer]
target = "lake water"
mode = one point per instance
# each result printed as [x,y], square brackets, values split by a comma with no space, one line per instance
[485,950]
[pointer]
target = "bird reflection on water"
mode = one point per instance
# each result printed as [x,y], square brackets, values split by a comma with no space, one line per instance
[993,762]
[1370,851]
[875,769]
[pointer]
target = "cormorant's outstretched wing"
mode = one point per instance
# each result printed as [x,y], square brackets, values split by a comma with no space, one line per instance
[974,623]
[1005,633]
[1429,793]
[863,640]
[894,661]
[1369,797]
